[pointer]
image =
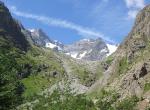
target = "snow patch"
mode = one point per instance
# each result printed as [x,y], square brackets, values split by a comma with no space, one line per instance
[82,55]
[32,30]
[87,40]
[111,48]
[74,54]
[104,50]
[50,45]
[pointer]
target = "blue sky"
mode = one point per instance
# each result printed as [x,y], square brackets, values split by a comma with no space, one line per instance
[71,20]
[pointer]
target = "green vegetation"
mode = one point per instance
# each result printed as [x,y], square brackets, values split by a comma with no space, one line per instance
[25,73]
[34,84]
[62,100]
[44,63]
[107,100]
[70,102]
[82,73]
[123,65]
[109,60]
[147,87]
[41,56]
[10,87]
[99,71]
[127,104]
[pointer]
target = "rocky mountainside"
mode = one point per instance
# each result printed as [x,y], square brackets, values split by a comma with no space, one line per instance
[10,29]
[39,38]
[129,67]
[90,49]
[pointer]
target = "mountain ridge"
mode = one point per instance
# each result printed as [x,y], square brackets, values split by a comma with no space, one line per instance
[77,50]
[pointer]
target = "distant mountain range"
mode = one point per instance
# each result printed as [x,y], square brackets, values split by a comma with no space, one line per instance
[90,49]
[87,49]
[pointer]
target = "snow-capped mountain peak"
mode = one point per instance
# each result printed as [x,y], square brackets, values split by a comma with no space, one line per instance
[87,49]
[41,39]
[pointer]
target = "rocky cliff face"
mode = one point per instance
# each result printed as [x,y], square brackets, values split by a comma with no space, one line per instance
[139,37]
[39,37]
[137,57]
[129,70]
[10,29]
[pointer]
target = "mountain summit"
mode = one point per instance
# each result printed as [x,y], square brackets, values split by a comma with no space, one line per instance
[89,49]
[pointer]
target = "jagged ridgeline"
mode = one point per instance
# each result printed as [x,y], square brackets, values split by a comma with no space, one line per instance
[39,78]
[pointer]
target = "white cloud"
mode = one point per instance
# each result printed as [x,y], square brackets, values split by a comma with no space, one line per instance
[134,6]
[135,3]
[132,14]
[83,31]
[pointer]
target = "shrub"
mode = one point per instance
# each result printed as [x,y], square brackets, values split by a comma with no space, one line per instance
[106,100]
[10,87]
[127,104]
[109,60]
[64,101]
[123,65]
[147,87]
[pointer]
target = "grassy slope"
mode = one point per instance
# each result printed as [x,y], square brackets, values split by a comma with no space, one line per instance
[42,79]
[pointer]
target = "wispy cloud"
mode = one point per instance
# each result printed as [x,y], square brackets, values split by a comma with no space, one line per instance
[135,3]
[83,31]
[134,6]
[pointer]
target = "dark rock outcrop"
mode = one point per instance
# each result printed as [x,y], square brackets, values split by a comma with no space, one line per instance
[11,30]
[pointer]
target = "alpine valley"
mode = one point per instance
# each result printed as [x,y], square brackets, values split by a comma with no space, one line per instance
[39,73]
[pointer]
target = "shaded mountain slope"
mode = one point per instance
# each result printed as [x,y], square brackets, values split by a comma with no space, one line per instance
[10,30]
